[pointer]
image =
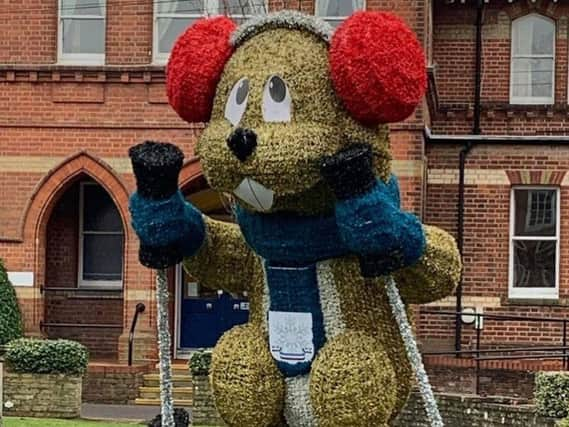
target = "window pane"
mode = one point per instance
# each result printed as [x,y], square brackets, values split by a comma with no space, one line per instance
[82,7]
[533,35]
[239,7]
[534,264]
[535,212]
[99,210]
[341,8]
[102,257]
[169,29]
[192,7]
[84,36]
[542,77]
[532,77]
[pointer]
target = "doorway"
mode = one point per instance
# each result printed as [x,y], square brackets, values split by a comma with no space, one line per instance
[204,314]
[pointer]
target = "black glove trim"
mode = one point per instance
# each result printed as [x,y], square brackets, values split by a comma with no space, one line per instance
[371,266]
[156,167]
[160,257]
[349,172]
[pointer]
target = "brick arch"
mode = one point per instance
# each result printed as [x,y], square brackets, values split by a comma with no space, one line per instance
[521,10]
[53,185]
[536,177]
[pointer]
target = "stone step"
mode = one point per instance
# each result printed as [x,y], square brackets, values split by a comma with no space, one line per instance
[176,367]
[156,402]
[184,393]
[153,380]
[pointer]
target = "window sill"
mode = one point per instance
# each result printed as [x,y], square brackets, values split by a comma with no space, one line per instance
[529,102]
[510,301]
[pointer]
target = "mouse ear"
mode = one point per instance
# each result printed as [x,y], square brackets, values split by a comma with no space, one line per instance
[195,66]
[377,68]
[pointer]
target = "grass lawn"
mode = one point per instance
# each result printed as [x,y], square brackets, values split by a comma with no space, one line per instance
[45,422]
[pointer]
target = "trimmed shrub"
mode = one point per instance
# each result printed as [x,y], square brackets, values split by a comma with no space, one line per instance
[34,356]
[200,362]
[563,423]
[10,315]
[552,394]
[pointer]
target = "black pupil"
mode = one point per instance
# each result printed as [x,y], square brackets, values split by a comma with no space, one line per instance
[277,89]
[242,91]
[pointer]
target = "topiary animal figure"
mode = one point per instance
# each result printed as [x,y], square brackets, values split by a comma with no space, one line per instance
[297,131]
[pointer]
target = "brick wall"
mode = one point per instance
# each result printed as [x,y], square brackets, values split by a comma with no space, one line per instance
[73,307]
[461,410]
[113,384]
[491,172]
[42,395]
[515,379]
[62,241]
[454,56]
[203,407]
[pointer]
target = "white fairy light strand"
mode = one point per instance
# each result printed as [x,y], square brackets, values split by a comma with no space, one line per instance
[166,402]
[413,353]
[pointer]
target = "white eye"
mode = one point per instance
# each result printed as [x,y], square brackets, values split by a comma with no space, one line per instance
[237,101]
[276,101]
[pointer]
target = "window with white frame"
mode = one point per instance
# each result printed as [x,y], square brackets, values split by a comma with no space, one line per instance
[171,18]
[532,78]
[534,245]
[82,32]
[335,11]
[101,238]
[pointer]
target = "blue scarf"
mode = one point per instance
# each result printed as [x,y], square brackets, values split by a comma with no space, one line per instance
[289,239]
[291,245]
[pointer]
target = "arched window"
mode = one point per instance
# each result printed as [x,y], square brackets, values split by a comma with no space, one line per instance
[532,77]
[101,238]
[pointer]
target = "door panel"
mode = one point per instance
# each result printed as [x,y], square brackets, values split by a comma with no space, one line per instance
[206,314]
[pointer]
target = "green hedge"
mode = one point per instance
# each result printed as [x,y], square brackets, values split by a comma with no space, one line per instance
[10,316]
[563,423]
[200,362]
[47,356]
[552,394]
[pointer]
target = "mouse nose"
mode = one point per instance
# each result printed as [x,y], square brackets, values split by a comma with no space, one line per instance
[242,142]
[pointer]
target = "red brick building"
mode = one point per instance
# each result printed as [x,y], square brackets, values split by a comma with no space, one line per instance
[83,80]
[502,106]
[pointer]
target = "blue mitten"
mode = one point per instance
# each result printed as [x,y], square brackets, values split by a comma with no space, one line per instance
[370,221]
[169,228]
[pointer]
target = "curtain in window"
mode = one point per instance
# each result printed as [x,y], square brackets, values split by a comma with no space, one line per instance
[533,40]
[83,28]
[165,7]
[340,8]
[82,7]
[173,18]
[236,7]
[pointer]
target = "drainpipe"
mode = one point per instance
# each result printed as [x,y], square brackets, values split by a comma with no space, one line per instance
[462,166]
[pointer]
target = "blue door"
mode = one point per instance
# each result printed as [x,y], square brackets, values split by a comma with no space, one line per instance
[206,314]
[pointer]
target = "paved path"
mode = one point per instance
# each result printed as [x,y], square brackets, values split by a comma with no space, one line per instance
[118,412]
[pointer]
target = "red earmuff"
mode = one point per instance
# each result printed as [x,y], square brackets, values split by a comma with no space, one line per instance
[377,68]
[195,66]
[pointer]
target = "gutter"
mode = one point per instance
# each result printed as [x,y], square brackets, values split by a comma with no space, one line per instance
[462,166]
[496,139]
